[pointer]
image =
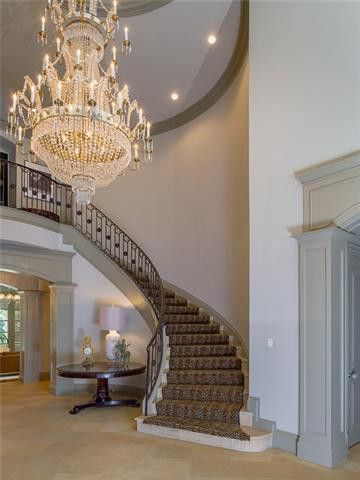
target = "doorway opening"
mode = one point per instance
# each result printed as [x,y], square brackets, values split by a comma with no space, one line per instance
[24,328]
[10,333]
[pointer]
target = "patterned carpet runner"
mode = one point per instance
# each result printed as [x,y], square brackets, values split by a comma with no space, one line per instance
[204,390]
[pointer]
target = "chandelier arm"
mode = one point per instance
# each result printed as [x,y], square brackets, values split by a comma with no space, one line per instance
[81,120]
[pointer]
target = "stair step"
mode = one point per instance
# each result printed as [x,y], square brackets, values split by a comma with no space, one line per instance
[181,310]
[171,318]
[194,409]
[205,377]
[204,363]
[211,393]
[199,339]
[176,301]
[191,328]
[202,350]
[221,429]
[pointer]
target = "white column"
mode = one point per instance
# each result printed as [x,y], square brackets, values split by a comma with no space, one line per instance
[11,325]
[30,314]
[322,346]
[61,334]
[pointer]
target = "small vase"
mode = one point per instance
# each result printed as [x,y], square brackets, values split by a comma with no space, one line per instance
[110,341]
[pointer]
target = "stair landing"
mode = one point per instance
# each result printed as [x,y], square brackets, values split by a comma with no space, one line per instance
[259,440]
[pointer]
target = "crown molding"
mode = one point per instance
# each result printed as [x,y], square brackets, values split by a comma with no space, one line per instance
[324,169]
[131,8]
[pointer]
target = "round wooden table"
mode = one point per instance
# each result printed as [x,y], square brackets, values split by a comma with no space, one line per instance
[102,371]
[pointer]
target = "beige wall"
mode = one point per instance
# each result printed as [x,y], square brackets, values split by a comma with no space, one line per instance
[189,209]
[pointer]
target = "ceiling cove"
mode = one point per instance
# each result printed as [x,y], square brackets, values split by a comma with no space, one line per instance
[171,53]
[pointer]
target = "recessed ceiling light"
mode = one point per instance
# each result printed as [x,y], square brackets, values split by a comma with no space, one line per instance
[211,39]
[174,96]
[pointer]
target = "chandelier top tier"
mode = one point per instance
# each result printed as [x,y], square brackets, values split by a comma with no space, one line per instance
[84,125]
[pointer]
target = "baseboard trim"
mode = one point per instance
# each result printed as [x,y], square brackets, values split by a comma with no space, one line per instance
[326,455]
[281,439]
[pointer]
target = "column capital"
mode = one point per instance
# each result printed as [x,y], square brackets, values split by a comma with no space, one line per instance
[323,234]
[30,293]
[62,286]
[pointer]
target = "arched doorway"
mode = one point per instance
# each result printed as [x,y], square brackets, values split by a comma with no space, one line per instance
[53,267]
[24,327]
[10,332]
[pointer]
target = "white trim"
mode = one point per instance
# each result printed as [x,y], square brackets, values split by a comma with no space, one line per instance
[339,164]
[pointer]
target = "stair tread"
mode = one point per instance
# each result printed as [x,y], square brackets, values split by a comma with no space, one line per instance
[204,393]
[198,351]
[205,362]
[200,403]
[198,339]
[227,412]
[208,427]
[204,387]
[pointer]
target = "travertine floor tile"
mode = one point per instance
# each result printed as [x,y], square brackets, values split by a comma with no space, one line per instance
[41,441]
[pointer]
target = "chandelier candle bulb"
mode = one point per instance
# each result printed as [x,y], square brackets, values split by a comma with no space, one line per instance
[92,90]
[126,30]
[43,24]
[14,102]
[46,62]
[39,82]
[148,130]
[32,94]
[20,135]
[115,6]
[114,53]
[78,56]
[112,69]
[58,44]
[59,87]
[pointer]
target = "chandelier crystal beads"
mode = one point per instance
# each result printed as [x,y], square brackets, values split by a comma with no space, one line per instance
[83,124]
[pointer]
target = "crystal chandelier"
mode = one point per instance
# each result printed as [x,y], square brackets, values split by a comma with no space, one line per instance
[83,124]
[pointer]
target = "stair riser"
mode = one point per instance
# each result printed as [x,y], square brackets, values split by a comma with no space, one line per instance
[186,320]
[170,392]
[179,310]
[191,329]
[176,302]
[202,351]
[198,339]
[186,378]
[203,412]
[204,363]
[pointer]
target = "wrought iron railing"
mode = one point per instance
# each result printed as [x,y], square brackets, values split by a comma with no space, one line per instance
[36,192]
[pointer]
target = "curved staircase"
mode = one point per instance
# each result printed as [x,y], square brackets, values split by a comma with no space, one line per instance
[194,372]
[202,392]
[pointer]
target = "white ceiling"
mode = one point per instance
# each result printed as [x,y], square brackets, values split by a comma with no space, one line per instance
[170,51]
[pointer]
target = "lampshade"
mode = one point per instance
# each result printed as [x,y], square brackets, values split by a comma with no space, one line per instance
[112,318]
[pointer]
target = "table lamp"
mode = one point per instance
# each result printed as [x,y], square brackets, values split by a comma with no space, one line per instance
[112,318]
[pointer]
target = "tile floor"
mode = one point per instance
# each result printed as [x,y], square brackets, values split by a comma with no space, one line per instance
[41,441]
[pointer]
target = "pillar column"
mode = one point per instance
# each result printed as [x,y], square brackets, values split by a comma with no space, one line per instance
[322,343]
[30,315]
[61,334]
[11,325]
